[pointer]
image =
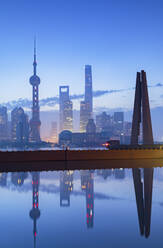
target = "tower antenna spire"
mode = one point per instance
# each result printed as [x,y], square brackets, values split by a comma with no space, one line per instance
[34,63]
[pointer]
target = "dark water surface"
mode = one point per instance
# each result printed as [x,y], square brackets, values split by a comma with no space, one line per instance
[100,208]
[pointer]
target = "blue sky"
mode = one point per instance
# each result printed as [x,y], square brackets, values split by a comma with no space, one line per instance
[116,37]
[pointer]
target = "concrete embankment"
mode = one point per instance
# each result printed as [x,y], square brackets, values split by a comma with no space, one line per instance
[114,154]
[87,159]
[80,155]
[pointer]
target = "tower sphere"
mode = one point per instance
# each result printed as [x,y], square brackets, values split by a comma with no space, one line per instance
[34,213]
[34,80]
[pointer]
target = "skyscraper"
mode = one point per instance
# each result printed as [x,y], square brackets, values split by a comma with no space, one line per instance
[35,121]
[103,122]
[118,121]
[3,124]
[19,125]
[88,87]
[86,106]
[54,132]
[91,132]
[85,115]
[65,109]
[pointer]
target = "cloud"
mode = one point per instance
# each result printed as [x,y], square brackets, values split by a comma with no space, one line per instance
[76,97]
[52,101]
[158,85]
[99,93]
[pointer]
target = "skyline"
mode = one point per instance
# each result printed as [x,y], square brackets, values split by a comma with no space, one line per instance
[81,123]
[52,102]
[88,34]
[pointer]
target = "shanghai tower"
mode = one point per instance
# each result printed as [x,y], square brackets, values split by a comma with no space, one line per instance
[35,120]
[86,106]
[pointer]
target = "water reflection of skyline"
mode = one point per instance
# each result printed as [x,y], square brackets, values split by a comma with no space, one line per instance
[142,178]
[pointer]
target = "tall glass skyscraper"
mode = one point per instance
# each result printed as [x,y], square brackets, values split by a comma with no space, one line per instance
[65,109]
[86,106]
[19,125]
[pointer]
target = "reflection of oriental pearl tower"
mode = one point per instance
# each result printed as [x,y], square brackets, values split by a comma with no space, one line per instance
[35,121]
[35,212]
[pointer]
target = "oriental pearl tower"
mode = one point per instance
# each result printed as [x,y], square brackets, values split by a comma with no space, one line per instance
[35,120]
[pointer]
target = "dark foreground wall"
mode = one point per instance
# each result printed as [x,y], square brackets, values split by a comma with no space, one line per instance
[88,159]
[79,165]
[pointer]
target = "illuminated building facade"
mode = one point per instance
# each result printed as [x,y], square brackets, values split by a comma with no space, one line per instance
[54,132]
[65,109]
[115,126]
[3,124]
[35,121]
[68,115]
[85,115]
[19,126]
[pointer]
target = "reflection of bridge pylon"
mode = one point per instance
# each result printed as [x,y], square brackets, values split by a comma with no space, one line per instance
[35,212]
[142,115]
[143,198]
[87,184]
